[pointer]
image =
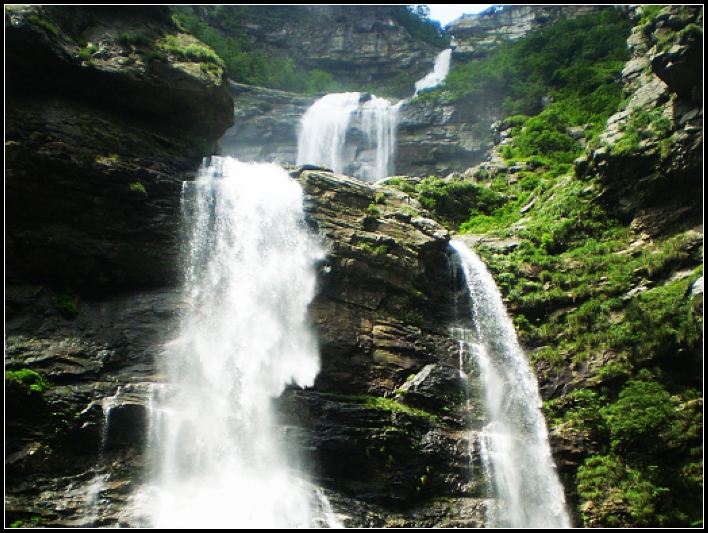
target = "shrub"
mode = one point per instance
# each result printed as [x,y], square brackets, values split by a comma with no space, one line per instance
[33,381]
[138,188]
[66,305]
[135,39]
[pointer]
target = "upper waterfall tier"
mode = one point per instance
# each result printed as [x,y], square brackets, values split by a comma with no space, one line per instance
[438,74]
[351,133]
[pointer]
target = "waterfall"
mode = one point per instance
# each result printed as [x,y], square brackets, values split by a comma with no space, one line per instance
[439,73]
[514,443]
[352,133]
[219,459]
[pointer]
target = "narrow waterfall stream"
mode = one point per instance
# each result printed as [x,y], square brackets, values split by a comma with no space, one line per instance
[438,74]
[244,337]
[514,443]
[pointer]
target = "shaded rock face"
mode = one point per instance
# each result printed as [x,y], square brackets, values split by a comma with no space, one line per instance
[386,426]
[652,154]
[265,124]
[97,145]
[436,139]
[478,33]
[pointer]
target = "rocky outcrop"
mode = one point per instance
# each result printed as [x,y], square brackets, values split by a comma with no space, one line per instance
[436,138]
[475,34]
[102,126]
[388,397]
[650,159]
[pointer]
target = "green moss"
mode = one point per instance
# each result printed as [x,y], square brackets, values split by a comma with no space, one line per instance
[43,22]
[66,304]
[386,404]
[379,249]
[33,381]
[184,48]
[138,188]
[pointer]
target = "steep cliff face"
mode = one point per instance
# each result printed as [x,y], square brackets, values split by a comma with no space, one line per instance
[473,35]
[104,120]
[105,117]
[360,46]
[385,425]
[651,157]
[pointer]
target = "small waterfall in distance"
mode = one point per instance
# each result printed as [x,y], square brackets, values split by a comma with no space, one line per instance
[219,460]
[439,73]
[323,136]
[355,133]
[514,443]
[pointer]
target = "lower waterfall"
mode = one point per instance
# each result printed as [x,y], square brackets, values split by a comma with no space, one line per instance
[514,443]
[250,274]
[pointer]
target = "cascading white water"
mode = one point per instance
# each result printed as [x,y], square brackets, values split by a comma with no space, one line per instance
[323,139]
[243,338]
[514,443]
[439,73]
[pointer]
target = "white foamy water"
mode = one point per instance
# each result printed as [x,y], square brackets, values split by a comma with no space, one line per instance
[438,74]
[350,133]
[219,459]
[514,443]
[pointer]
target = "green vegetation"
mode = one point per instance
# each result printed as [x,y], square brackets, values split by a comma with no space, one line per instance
[380,249]
[248,65]
[135,39]
[373,211]
[574,60]
[33,381]
[137,188]
[66,305]
[416,20]
[184,48]
[641,124]
[43,22]
[588,294]
[87,51]
[385,404]
[450,201]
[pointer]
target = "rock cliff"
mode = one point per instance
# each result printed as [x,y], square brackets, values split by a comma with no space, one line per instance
[475,34]
[362,47]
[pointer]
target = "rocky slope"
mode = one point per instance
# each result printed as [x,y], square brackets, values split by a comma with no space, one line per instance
[105,117]
[602,272]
